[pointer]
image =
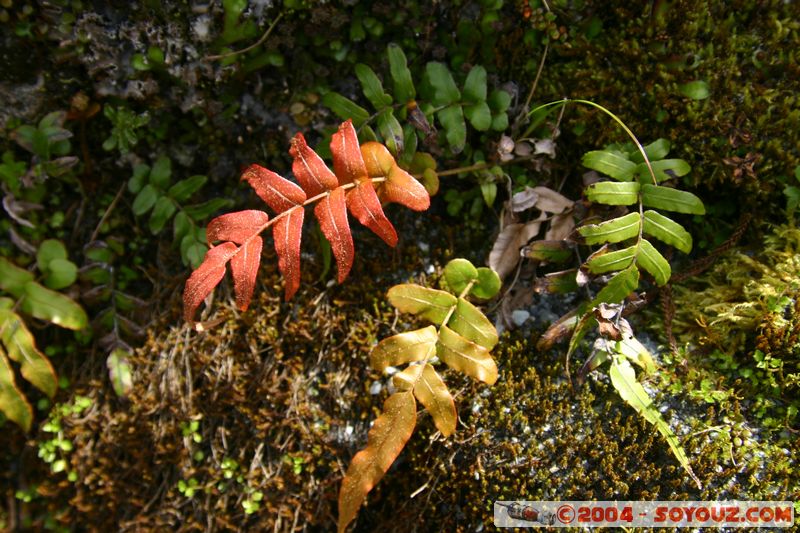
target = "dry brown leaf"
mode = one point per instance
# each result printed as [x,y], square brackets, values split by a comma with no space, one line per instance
[552,201]
[385,441]
[561,227]
[559,330]
[524,199]
[504,256]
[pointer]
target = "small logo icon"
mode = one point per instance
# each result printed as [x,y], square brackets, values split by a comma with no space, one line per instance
[566,514]
[528,513]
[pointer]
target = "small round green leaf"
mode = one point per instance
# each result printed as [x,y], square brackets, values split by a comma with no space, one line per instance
[452,119]
[500,122]
[488,284]
[499,101]
[48,251]
[61,273]
[139,178]
[458,273]
[162,212]
[444,87]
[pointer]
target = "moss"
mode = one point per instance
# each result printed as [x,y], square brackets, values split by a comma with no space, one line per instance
[742,293]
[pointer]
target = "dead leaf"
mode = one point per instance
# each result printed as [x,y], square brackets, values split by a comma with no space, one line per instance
[552,201]
[558,331]
[524,200]
[504,256]
[545,146]
[561,227]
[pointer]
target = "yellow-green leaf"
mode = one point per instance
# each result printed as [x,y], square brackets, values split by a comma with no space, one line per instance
[664,170]
[403,348]
[429,304]
[385,441]
[667,230]
[466,356]
[611,261]
[431,392]
[21,347]
[636,352]
[13,278]
[614,230]
[551,251]
[656,150]
[619,287]
[407,379]
[623,378]
[119,370]
[12,401]
[670,199]
[696,90]
[488,284]
[52,306]
[611,164]
[653,262]
[613,193]
[469,322]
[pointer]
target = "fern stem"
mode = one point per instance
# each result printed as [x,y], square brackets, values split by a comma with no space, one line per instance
[613,116]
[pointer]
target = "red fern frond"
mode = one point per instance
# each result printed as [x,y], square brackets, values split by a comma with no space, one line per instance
[363,176]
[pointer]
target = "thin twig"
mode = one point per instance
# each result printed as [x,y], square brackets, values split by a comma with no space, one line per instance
[481,166]
[254,45]
[108,212]
[524,112]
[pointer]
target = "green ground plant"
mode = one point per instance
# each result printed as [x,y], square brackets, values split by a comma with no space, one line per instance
[27,295]
[157,194]
[435,100]
[124,124]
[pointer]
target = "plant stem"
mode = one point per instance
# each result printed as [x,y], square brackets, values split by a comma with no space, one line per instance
[254,45]
[616,119]
[480,166]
